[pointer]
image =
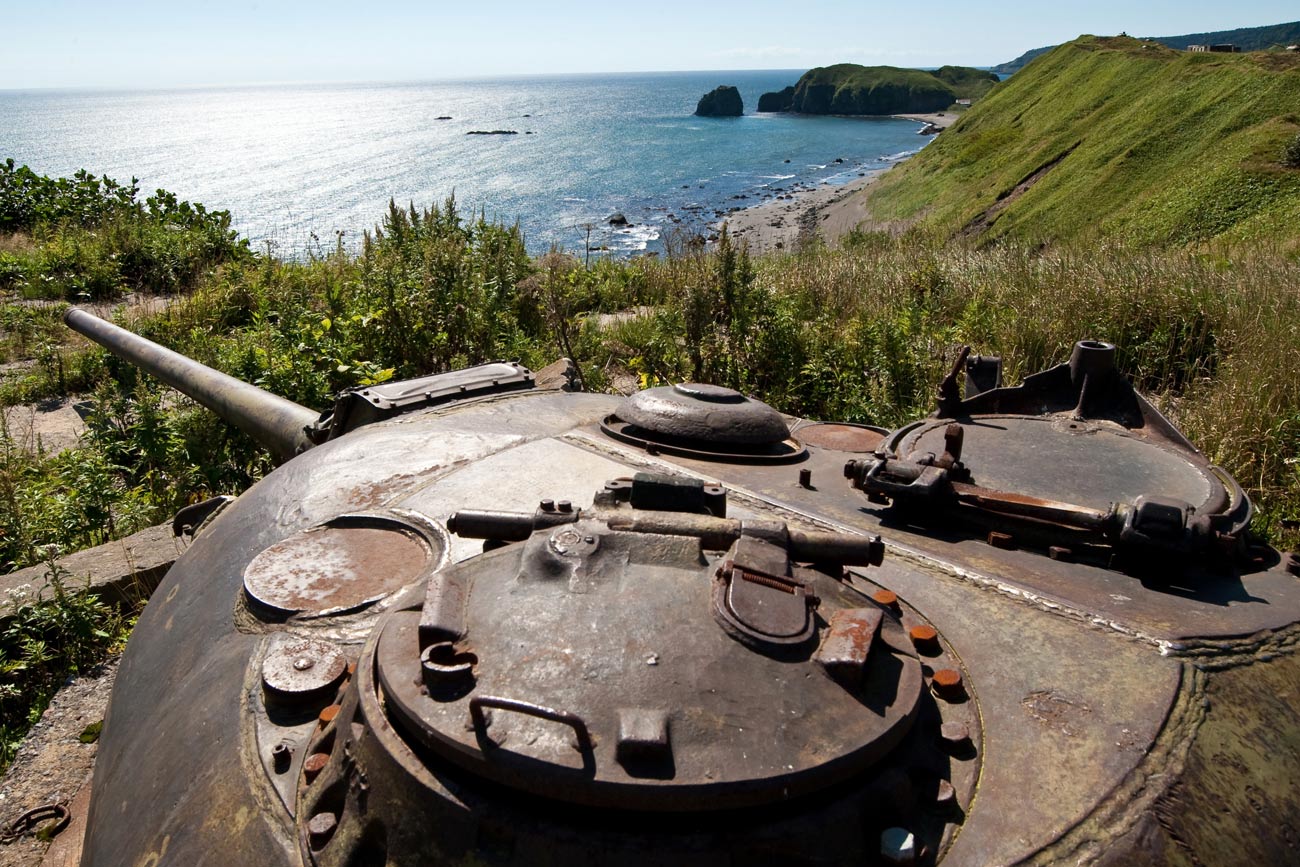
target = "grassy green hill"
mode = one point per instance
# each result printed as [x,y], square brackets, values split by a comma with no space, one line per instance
[1245,38]
[1114,138]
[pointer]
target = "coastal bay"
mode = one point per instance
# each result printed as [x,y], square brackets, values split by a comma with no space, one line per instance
[828,210]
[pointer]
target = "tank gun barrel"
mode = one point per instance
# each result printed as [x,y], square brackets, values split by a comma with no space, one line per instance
[277,423]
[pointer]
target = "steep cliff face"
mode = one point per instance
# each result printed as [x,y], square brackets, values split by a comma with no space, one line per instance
[723,101]
[847,88]
[778,100]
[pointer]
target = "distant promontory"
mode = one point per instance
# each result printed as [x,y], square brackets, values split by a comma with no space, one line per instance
[847,88]
[722,101]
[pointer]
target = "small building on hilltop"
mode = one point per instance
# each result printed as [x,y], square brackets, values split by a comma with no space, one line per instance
[1221,48]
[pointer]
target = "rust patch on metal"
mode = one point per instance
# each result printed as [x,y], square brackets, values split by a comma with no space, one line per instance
[302,666]
[340,566]
[375,494]
[1059,711]
[841,437]
[947,683]
[844,650]
[925,638]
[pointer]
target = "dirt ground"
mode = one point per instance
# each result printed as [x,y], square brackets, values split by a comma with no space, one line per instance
[52,763]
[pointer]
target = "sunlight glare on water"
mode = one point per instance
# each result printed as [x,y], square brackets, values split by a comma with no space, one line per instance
[292,161]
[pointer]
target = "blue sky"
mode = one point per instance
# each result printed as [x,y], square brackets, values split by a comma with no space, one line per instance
[166,43]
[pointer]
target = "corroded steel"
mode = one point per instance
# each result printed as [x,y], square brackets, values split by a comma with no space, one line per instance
[707,413]
[302,666]
[577,696]
[275,422]
[841,437]
[338,566]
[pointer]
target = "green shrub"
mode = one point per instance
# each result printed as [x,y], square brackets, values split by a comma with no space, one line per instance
[1291,153]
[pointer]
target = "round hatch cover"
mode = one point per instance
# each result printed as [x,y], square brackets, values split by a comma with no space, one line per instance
[703,421]
[696,411]
[1088,463]
[343,564]
[591,667]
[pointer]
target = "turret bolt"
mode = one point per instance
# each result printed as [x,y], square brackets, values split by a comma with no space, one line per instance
[886,599]
[1002,540]
[548,505]
[897,846]
[945,795]
[313,765]
[281,756]
[925,638]
[955,735]
[564,506]
[320,829]
[805,479]
[948,685]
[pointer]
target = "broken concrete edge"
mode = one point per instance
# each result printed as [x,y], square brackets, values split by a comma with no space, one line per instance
[122,572]
[65,848]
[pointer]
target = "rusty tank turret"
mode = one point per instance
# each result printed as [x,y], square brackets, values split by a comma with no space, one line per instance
[471,621]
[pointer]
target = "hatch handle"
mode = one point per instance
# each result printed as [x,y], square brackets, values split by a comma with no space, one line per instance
[479,703]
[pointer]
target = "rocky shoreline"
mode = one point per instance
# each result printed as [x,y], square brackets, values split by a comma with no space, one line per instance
[829,211]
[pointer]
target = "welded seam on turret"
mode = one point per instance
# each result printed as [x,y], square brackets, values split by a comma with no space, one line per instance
[1210,654]
[1119,812]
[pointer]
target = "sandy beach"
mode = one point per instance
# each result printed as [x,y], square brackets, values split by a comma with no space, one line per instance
[830,211]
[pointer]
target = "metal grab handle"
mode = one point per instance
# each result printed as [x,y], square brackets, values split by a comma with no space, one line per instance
[479,719]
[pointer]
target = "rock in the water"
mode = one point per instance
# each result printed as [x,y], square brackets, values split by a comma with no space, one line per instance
[618,220]
[493,132]
[777,100]
[723,101]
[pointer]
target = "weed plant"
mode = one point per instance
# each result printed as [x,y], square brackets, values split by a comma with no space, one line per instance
[44,638]
[862,332]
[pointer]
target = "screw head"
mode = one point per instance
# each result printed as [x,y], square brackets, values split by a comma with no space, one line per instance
[314,764]
[948,684]
[320,828]
[303,663]
[925,638]
[955,734]
[1004,541]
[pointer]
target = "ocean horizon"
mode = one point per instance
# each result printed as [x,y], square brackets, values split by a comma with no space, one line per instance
[297,164]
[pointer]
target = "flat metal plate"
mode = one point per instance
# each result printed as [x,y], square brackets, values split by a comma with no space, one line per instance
[1087,463]
[341,565]
[302,666]
[841,437]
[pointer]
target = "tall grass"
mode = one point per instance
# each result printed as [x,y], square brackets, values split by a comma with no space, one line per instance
[862,332]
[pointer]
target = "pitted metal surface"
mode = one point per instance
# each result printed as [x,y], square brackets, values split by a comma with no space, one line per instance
[339,566]
[1063,711]
[295,667]
[852,438]
[1068,459]
[705,413]
[738,719]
